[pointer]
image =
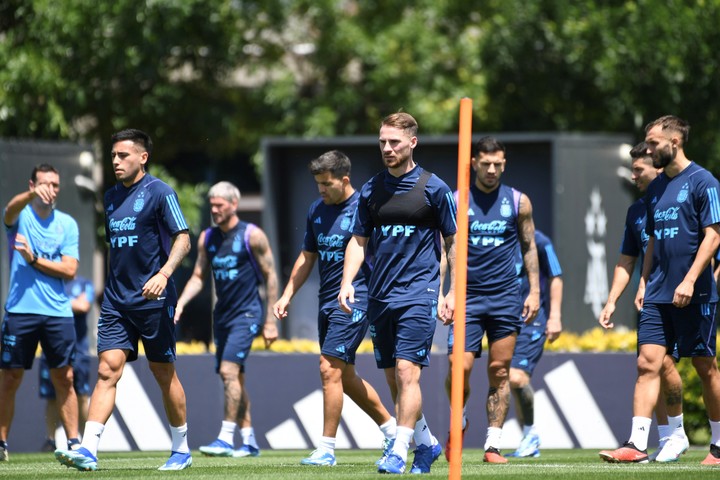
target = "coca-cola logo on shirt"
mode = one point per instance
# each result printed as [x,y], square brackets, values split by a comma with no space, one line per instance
[122,225]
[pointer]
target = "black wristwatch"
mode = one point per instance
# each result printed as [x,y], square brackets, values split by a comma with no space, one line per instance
[34,260]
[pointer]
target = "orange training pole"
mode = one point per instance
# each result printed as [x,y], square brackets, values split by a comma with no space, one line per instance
[461,246]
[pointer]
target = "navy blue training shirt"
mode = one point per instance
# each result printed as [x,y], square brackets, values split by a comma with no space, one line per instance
[406,262]
[679,208]
[327,232]
[140,222]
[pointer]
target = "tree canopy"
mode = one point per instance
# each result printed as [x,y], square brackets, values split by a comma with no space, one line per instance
[209,78]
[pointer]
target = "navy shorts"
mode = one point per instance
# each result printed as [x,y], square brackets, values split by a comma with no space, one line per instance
[402,330]
[530,344]
[21,333]
[121,330]
[234,338]
[341,333]
[81,376]
[498,314]
[692,329]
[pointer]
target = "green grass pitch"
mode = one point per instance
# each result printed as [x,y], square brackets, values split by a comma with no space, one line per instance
[352,464]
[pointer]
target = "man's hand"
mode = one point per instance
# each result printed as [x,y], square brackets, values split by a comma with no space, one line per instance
[22,247]
[280,308]
[154,288]
[683,294]
[346,297]
[446,311]
[270,333]
[605,314]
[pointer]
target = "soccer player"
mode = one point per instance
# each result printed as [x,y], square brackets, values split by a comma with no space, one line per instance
[44,255]
[677,291]
[673,441]
[239,255]
[403,211]
[531,341]
[501,230]
[82,295]
[148,238]
[327,232]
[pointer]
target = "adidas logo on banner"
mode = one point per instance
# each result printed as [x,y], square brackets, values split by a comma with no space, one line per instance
[309,410]
[148,430]
[577,406]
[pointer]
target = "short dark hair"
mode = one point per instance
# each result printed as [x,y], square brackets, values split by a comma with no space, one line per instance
[43,167]
[640,152]
[138,137]
[487,145]
[334,161]
[671,122]
[403,121]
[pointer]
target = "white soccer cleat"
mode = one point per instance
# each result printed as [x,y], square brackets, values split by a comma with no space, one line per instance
[673,448]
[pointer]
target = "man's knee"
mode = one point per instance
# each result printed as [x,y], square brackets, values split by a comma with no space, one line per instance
[518,378]
[11,379]
[706,367]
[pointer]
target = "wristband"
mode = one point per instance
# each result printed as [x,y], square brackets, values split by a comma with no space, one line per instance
[34,260]
[163,274]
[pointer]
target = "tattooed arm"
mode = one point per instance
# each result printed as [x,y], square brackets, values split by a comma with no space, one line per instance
[260,248]
[526,233]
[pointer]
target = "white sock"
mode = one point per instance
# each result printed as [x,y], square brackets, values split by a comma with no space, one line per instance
[493,437]
[676,426]
[640,431]
[402,442]
[179,439]
[528,429]
[715,433]
[422,435]
[389,428]
[327,444]
[227,432]
[663,431]
[91,436]
[248,437]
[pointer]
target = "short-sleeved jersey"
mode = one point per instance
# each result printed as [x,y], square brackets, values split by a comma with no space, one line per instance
[493,242]
[635,239]
[140,222]
[549,267]
[327,232]
[407,255]
[235,271]
[679,208]
[32,291]
[74,288]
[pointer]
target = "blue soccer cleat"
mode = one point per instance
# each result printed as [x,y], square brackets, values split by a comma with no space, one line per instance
[218,448]
[424,457]
[246,451]
[387,447]
[529,447]
[319,458]
[177,461]
[392,464]
[80,459]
